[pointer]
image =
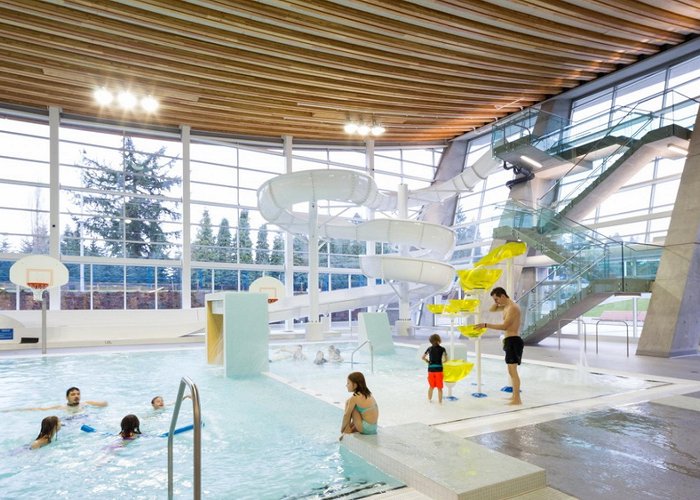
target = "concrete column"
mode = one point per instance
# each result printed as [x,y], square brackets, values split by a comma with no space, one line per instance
[670,328]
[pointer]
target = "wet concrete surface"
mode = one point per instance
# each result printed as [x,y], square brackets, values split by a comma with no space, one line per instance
[641,451]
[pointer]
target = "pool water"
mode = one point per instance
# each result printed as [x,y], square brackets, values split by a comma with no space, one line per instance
[261,440]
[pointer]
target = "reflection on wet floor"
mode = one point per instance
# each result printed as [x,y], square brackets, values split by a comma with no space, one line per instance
[642,451]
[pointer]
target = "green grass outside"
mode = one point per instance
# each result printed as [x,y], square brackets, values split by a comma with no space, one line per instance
[622,305]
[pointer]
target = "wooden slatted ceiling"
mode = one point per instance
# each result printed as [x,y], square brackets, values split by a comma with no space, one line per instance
[428,70]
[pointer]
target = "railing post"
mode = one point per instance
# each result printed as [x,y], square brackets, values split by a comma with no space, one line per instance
[197,428]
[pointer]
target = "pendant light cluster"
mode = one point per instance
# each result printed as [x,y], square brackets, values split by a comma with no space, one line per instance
[126,100]
[363,129]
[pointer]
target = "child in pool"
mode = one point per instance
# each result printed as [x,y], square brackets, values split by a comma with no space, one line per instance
[130,427]
[319,358]
[49,428]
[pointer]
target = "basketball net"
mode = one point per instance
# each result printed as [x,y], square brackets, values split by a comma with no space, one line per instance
[38,290]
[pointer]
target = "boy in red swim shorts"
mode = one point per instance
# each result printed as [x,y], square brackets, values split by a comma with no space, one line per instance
[435,356]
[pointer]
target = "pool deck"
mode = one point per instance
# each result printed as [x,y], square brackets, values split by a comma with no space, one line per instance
[428,446]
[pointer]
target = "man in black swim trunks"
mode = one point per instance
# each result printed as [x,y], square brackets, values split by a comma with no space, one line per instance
[512,343]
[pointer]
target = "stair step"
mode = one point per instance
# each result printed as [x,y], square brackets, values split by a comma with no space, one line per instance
[441,465]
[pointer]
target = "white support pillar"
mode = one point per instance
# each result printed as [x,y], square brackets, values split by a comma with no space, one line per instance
[54,197]
[288,238]
[370,248]
[314,328]
[186,276]
[403,324]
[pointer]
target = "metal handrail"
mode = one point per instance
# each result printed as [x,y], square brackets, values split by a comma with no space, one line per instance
[197,428]
[578,321]
[371,354]
[627,334]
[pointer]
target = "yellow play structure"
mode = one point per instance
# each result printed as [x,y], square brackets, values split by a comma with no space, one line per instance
[474,282]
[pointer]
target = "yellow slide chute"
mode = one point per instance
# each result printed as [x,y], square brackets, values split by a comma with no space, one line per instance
[501,253]
[478,278]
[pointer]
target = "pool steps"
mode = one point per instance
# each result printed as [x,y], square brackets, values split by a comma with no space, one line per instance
[441,465]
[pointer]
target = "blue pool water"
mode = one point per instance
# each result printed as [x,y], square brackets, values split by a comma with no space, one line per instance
[261,440]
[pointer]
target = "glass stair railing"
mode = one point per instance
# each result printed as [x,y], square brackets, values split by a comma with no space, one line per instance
[662,116]
[562,296]
[557,237]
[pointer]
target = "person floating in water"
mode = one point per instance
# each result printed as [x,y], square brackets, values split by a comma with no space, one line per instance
[512,343]
[157,403]
[319,360]
[361,410]
[49,428]
[73,403]
[130,427]
[298,354]
[334,354]
[435,356]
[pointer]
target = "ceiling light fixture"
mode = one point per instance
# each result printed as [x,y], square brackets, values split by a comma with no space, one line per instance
[149,104]
[103,97]
[530,161]
[126,100]
[363,128]
[677,149]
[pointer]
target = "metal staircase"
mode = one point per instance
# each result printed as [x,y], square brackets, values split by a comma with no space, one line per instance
[588,267]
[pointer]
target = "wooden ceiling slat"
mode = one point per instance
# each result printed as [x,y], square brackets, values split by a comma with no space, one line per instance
[428,69]
[277,71]
[524,32]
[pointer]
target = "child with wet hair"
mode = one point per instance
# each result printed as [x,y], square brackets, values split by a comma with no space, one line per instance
[49,428]
[130,427]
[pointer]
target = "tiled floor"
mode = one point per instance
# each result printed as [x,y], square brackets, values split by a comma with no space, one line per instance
[622,446]
[638,442]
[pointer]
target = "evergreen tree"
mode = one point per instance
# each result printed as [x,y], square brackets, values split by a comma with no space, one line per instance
[277,255]
[38,242]
[203,246]
[132,221]
[224,243]
[245,244]
[262,247]
[300,258]
[70,241]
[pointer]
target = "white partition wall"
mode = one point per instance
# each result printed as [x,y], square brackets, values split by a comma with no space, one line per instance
[238,332]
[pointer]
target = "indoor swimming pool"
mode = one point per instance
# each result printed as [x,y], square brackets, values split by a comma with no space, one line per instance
[261,439]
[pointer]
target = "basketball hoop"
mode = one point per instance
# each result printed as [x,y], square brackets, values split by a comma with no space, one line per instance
[38,289]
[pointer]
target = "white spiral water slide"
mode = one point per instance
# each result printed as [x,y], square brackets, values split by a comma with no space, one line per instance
[420,270]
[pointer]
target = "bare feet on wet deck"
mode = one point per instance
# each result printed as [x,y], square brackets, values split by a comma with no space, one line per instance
[514,402]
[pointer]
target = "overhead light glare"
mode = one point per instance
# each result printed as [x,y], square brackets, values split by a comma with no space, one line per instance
[126,100]
[530,161]
[377,130]
[149,104]
[363,129]
[677,149]
[103,97]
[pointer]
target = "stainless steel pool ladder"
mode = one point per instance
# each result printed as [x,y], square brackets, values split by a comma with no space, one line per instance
[197,428]
[371,354]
